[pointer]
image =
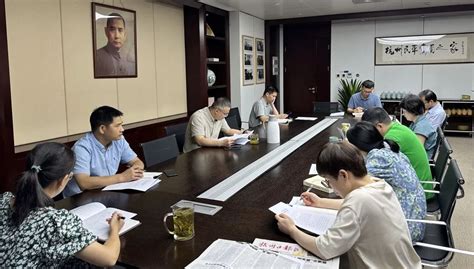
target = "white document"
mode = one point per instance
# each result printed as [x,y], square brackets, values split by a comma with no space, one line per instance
[306,118]
[94,218]
[142,184]
[312,170]
[315,220]
[296,200]
[239,139]
[284,121]
[337,114]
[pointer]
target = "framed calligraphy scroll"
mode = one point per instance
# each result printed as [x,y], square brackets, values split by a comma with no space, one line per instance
[425,49]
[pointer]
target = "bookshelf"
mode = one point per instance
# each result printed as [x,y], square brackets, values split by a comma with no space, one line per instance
[200,46]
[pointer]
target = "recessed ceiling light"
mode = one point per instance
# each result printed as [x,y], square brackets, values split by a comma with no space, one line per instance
[277,3]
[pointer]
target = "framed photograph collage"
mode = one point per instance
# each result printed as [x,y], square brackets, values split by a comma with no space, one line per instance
[253,60]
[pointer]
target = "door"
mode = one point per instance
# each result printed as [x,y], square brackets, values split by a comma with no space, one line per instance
[306,60]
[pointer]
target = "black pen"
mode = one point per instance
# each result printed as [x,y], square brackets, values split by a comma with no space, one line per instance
[158,176]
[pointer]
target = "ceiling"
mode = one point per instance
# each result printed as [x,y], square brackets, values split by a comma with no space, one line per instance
[283,9]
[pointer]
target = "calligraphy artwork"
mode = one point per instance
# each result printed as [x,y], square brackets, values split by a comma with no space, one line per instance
[426,49]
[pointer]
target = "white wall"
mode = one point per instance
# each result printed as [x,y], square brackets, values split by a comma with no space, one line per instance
[243,96]
[353,50]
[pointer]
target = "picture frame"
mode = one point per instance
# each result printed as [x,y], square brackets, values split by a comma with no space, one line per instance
[424,49]
[114,45]
[260,60]
[248,60]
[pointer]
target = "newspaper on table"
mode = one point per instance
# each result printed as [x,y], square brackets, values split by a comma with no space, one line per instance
[232,254]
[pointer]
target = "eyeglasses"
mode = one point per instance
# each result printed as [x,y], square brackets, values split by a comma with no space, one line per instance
[325,183]
[223,113]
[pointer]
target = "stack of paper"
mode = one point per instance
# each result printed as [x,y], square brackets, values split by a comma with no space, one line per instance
[306,118]
[315,183]
[149,180]
[337,114]
[239,139]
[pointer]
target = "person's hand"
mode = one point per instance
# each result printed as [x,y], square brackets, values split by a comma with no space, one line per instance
[359,109]
[285,223]
[283,116]
[310,199]
[116,222]
[227,142]
[132,173]
[264,118]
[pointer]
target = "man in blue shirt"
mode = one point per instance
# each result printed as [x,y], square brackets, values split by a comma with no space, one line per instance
[364,99]
[100,152]
[434,111]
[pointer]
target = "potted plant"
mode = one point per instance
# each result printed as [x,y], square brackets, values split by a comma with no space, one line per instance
[347,89]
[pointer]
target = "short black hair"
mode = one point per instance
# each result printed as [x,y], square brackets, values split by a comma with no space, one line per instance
[103,115]
[270,90]
[368,84]
[429,95]
[376,115]
[413,104]
[342,155]
[114,16]
[366,137]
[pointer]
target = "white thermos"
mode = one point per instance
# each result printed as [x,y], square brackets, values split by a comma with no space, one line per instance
[273,130]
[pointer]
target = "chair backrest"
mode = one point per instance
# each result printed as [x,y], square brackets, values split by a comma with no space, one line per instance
[325,107]
[448,190]
[439,136]
[160,150]
[444,152]
[233,119]
[180,131]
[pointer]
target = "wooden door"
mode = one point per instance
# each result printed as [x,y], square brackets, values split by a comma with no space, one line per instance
[306,61]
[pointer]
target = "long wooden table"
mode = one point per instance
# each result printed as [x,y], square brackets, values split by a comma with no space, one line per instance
[244,216]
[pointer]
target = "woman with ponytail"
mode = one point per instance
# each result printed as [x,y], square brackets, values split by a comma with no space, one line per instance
[383,160]
[34,234]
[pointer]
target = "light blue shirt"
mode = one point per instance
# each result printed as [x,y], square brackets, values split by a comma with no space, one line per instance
[436,115]
[422,126]
[371,101]
[94,159]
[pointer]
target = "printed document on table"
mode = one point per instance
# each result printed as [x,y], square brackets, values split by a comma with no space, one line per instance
[142,184]
[315,220]
[337,114]
[312,169]
[306,118]
[239,139]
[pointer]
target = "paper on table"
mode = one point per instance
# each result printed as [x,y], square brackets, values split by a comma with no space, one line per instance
[306,118]
[337,114]
[142,184]
[312,169]
[296,200]
[239,139]
[315,220]
[284,121]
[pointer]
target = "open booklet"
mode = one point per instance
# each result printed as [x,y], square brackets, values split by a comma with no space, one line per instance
[94,218]
[239,139]
[312,219]
[149,180]
[232,254]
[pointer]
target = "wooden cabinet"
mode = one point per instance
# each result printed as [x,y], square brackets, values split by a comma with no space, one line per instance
[202,49]
[460,116]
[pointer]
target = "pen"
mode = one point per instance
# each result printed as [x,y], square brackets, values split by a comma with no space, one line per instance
[122,217]
[158,176]
[308,190]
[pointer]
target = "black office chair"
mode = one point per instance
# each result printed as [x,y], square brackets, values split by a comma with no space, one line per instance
[180,131]
[438,233]
[160,150]
[325,108]
[439,166]
[233,119]
[439,137]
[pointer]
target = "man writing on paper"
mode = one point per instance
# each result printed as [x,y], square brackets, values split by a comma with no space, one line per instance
[100,152]
[206,123]
[364,99]
[265,106]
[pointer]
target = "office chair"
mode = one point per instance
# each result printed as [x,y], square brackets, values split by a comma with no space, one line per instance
[438,233]
[180,131]
[439,136]
[160,150]
[439,166]
[325,108]
[233,119]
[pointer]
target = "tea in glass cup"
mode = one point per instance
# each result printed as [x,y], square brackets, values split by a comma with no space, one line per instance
[183,221]
[345,126]
[254,139]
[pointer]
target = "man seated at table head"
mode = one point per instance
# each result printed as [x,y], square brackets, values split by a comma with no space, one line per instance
[264,107]
[364,99]
[434,111]
[206,123]
[100,152]
[409,144]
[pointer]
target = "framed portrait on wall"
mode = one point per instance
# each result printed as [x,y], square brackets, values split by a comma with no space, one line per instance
[260,60]
[114,41]
[248,60]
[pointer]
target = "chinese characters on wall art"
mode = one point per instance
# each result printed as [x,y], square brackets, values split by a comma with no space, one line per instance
[253,60]
[424,49]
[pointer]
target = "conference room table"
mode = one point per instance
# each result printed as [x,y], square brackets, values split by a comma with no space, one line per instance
[244,216]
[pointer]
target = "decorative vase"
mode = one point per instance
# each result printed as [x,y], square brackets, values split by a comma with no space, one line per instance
[211,77]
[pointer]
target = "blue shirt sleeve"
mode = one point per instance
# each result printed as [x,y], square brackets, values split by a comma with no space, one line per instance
[378,102]
[127,153]
[351,102]
[83,159]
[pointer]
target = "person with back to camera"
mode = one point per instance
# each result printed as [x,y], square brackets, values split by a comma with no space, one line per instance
[370,226]
[384,160]
[364,99]
[34,234]
[414,111]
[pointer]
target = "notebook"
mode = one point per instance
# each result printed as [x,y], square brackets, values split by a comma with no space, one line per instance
[94,218]
[315,183]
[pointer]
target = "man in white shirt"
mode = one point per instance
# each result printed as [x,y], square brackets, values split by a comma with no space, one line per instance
[434,111]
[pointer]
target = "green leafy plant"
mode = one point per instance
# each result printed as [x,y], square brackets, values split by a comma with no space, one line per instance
[347,89]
